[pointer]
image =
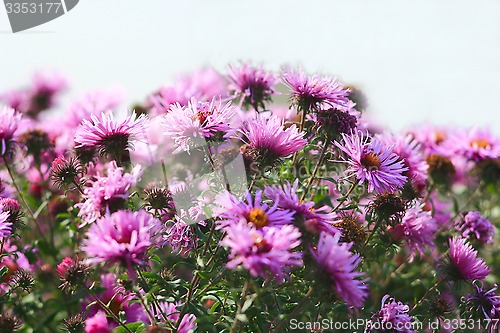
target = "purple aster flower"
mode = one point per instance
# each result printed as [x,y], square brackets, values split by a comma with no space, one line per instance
[333,122]
[110,136]
[476,144]
[417,229]
[265,252]
[409,150]
[339,265]
[187,324]
[464,264]
[253,84]
[180,237]
[267,140]
[484,301]
[9,121]
[311,92]
[392,317]
[5,225]
[189,126]
[122,238]
[108,193]
[118,299]
[373,162]
[287,198]
[474,224]
[98,323]
[252,210]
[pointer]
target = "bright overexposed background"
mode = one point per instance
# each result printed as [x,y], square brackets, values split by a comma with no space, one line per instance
[417,61]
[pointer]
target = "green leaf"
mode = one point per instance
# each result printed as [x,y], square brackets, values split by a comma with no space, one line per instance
[136,327]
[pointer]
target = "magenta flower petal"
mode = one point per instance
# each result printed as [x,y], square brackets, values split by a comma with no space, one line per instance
[340,264]
[372,162]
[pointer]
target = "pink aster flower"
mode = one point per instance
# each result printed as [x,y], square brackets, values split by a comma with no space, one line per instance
[430,137]
[16,99]
[287,198]
[475,225]
[180,237]
[266,252]
[9,121]
[5,225]
[38,97]
[253,84]
[312,92]
[252,211]
[393,316]
[417,229]
[108,193]
[475,144]
[95,102]
[97,323]
[42,93]
[110,136]
[122,238]
[118,299]
[464,262]
[372,162]
[202,85]
[189,126]
[268,140]
[339,265]
[409,150]
[13,259]
[440,209]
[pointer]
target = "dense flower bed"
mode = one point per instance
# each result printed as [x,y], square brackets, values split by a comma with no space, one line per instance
[253,201]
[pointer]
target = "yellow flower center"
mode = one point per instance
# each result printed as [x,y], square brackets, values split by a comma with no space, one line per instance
[258,217]
[439,136]
[480,143]
[371,161]
[261,244]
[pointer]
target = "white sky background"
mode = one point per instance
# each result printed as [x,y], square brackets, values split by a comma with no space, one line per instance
[417,61]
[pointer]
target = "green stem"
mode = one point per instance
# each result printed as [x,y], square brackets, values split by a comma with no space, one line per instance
[196,277]
[295,310]
[316,168]
[212,282]
[427,294]
[244,292]
[375,228]
[78,187]
[154,299]
[345,197]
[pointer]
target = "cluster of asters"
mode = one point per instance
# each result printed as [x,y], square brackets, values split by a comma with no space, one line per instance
[328,200]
